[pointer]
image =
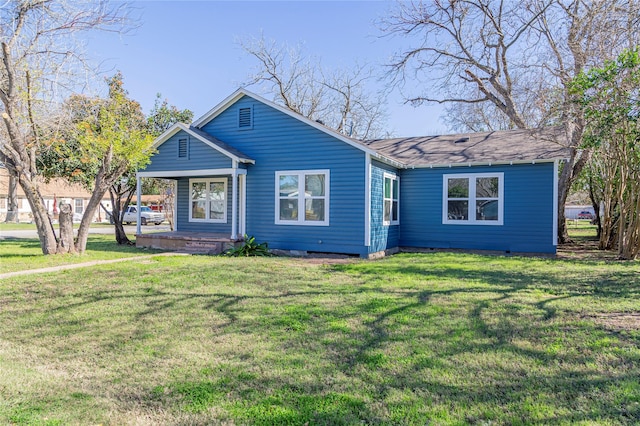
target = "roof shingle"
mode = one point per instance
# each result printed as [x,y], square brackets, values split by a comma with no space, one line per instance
[476,148]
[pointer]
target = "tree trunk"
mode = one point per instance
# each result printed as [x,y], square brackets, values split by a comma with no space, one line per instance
[596,209]
[564,184]
[121,235]
[13,216]
[102,184]
[46,233]
[100,189]
[66,244]
[118,208]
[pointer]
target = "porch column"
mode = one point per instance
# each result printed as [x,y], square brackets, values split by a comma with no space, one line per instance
[138,197]
[234,202]
[243,204]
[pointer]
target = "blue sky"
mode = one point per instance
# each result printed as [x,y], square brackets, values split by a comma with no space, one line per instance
[189,51]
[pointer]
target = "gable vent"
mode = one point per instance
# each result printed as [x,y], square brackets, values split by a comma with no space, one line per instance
[245,118]
[183,148]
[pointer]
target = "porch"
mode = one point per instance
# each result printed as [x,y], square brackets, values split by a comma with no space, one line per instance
[190,242]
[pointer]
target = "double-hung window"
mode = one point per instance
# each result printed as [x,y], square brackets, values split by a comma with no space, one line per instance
[302,197]
[208,200]
[391,198]
[473,199]
[78,205]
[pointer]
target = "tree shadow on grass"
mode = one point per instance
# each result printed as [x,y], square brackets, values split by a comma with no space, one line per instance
[424,347]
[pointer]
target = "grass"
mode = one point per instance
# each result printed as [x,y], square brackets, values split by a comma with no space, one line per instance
[439,338]
[26,254]
[25,226]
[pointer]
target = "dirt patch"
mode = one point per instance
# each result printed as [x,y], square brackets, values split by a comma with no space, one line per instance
[618,320]
[585,250]
[328,259]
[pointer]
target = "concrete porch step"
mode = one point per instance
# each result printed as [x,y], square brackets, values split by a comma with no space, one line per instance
[187,242]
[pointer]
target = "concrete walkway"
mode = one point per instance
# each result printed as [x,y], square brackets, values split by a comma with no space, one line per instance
[84,265]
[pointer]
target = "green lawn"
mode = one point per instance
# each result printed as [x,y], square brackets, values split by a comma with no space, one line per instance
[415,339]
[26,254]
[32,226]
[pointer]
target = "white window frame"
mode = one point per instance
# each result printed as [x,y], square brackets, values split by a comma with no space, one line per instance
[208,182]
[394,180]
[472,199]
[301,199]
[75,205]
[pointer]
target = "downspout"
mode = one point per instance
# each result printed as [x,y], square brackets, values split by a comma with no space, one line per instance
[555,203]
[367,200]
[234,201]
[138,197]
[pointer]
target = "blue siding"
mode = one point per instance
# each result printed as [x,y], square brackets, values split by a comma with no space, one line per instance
[278,142]
[201,156]
[528,211]
[182,218]
[382,236]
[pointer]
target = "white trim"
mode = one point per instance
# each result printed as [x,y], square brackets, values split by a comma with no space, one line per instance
[234,201]
[175,204]
[190,173]
[555,203]
[138,209]
[393,177]
[243,204]
[479,163]
[472,198]
[367,200]
[301,199]
[75,206]
[238,94]
[208,181]
[181,126]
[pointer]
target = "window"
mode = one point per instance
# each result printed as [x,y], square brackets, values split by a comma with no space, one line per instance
[391,197]
[78,205]
[245,118]
[302,197]
[208,200]
[183,148]
[473,198]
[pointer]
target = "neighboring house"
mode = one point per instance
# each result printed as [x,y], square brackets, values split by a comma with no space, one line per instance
[252,166]
[54,193]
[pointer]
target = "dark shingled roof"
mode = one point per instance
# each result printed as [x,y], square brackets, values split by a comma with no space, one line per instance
[488,147]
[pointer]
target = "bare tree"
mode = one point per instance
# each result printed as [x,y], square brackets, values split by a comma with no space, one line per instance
[41,61]
[516,56]
[341,99]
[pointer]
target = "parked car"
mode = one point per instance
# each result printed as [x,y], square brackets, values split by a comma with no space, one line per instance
[146,216]
[585,214]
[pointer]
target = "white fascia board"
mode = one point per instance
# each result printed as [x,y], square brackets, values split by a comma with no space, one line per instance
[181,126]
[484,163]
[219,108]
[167,134]
[190,173]
[235,96]
[389,161]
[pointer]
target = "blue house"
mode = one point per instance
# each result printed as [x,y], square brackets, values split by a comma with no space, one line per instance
[250,166]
